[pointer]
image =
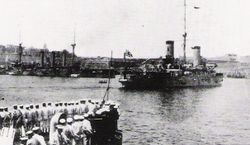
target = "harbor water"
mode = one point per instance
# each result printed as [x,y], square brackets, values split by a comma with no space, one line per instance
[188,116]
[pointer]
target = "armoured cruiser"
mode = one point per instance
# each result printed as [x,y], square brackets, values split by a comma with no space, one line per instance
[170,72]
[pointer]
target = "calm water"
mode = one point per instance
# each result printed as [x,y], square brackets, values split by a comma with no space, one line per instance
[185,116]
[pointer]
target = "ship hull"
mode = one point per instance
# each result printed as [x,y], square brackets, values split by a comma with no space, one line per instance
[147,82]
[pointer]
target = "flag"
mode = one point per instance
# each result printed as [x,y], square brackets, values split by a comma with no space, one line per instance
[128,53]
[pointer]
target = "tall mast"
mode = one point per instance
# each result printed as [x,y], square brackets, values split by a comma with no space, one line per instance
[185,31]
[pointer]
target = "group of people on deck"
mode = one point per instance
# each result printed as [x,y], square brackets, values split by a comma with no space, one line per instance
[33,121]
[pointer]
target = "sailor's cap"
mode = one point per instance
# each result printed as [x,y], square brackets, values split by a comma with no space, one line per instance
[98,112]
[69,120]
[86,115]
[112,105]
[35,128]
[76,117]
[59,126]
[29,132]
[81,118]
[62,121]
[24,138]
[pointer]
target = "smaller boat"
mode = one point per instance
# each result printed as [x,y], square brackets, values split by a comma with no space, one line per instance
[103,81]
[14,73]
[236,74]
[75,75]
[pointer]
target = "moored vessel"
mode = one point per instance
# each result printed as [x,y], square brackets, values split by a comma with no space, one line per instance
[170,72]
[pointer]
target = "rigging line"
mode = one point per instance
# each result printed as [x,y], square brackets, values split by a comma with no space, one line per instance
[108,87]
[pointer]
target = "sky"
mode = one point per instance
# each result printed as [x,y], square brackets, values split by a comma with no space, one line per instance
[140,26]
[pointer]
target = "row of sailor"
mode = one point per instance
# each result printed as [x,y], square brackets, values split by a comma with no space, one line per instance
[34,115]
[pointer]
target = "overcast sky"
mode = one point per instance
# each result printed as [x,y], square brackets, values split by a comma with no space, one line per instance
[141,26]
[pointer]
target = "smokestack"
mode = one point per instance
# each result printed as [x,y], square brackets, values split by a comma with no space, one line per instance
[53,55]
[170,48]
[64,58]
[42,58]
[20,52]
[197,55]
[169,52]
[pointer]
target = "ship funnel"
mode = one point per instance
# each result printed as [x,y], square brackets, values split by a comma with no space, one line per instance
[64,58]
[42,58]
[20,53]
[170,48]
[197,55]
[53,55]
[170,52]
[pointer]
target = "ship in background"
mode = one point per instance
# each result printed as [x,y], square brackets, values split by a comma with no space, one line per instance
[170,72]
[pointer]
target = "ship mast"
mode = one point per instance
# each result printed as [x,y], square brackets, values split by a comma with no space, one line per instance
[185,31]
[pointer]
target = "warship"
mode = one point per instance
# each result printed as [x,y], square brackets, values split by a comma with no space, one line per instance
[171,73]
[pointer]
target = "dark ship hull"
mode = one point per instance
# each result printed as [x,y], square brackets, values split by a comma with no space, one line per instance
[166,80]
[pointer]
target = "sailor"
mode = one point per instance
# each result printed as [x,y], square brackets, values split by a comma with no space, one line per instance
[38,115]
[87,129]
[77,129]
[28,117]
[61,108]
[32,140]
[82,107]
[50,111]
[7,117]
[44,115]
[1,117]
[74,108]
[70,110]
[91,108]
[65,109]
[113,117]
[37,136]
[59,138]
[56,109]
[68,131]
[33,116]
[23,140]
[77,108]
[15,115]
